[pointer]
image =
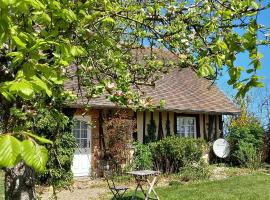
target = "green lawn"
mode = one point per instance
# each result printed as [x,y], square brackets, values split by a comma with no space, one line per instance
[249,187]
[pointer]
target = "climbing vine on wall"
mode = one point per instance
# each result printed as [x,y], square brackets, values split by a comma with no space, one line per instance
[118,138]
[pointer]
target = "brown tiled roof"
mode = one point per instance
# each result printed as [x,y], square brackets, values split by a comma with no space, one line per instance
[182,90]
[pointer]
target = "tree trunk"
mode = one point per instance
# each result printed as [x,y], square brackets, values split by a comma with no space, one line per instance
[20,183]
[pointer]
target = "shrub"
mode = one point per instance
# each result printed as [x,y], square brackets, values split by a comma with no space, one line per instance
[246,137]
[151,131]
[195,171]
[57,127]
[142,157]
[170,154]
[118,137]
[248,155]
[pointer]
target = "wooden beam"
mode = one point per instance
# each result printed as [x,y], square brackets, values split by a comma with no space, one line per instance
[216,127]
[204,127]
[160,129]
[221,126]
[174,117]
[198,129]
[144,123]
[168,125]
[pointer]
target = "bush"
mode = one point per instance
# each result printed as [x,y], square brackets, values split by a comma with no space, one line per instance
[118,130]
[248,155]
[246,137]
[171,153]
[57,127]
[195,171]
[142,157]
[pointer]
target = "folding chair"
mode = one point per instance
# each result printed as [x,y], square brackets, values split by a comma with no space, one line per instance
[117,190]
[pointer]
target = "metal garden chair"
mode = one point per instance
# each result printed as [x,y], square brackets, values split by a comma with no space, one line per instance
[118,191]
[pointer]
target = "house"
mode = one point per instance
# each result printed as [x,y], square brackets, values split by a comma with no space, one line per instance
[194,108]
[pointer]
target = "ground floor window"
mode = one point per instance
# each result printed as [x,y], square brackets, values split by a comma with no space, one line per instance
[80,132]
[186,126]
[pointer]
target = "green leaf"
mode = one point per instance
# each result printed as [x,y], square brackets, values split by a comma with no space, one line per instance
[40,139]
[10,149]
[36,4]
[22,87]
[108,20]
[17,56]
[5,93]
[41,85]
[249,71]
[34,155]
[254,5]
[77,51]
[19,42]
[69,15]
[203,71]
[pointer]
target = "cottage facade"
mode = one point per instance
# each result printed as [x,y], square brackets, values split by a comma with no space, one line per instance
[194,108]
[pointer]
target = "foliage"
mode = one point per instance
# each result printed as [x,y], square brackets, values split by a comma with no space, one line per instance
[118,138]
[171,153]
[195,171]
[142,157]
[246,137]
[55,125]
[248,155]
[151,131]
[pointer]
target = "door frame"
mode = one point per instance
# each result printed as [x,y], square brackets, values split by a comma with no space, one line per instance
[86,118]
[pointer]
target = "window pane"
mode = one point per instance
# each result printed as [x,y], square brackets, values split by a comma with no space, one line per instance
[83,133]
[83,125]
[192,129]
[76,133]
[77,124]
[84,143]
[182,129]
[185,126]
[189,130]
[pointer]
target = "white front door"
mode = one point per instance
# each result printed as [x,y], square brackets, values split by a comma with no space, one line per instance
[82,158]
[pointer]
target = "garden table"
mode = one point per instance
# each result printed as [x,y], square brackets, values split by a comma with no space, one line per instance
[144,176]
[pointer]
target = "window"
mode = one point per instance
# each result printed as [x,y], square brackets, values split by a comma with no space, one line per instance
[186,126]
[80,132]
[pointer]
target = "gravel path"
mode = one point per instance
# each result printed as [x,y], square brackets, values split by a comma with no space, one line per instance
[83,189]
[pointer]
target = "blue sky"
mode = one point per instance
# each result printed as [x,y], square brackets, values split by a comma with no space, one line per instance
[243,60]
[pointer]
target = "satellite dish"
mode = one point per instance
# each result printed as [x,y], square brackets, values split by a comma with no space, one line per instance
[221,148]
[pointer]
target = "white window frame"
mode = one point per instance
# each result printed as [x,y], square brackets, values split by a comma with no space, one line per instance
[85,119]
[182,123]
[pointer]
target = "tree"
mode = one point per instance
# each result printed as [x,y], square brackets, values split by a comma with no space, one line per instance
[39,39]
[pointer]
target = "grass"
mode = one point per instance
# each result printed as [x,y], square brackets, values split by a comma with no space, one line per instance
[248,187]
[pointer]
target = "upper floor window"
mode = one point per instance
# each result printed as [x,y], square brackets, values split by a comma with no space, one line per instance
[186,126]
